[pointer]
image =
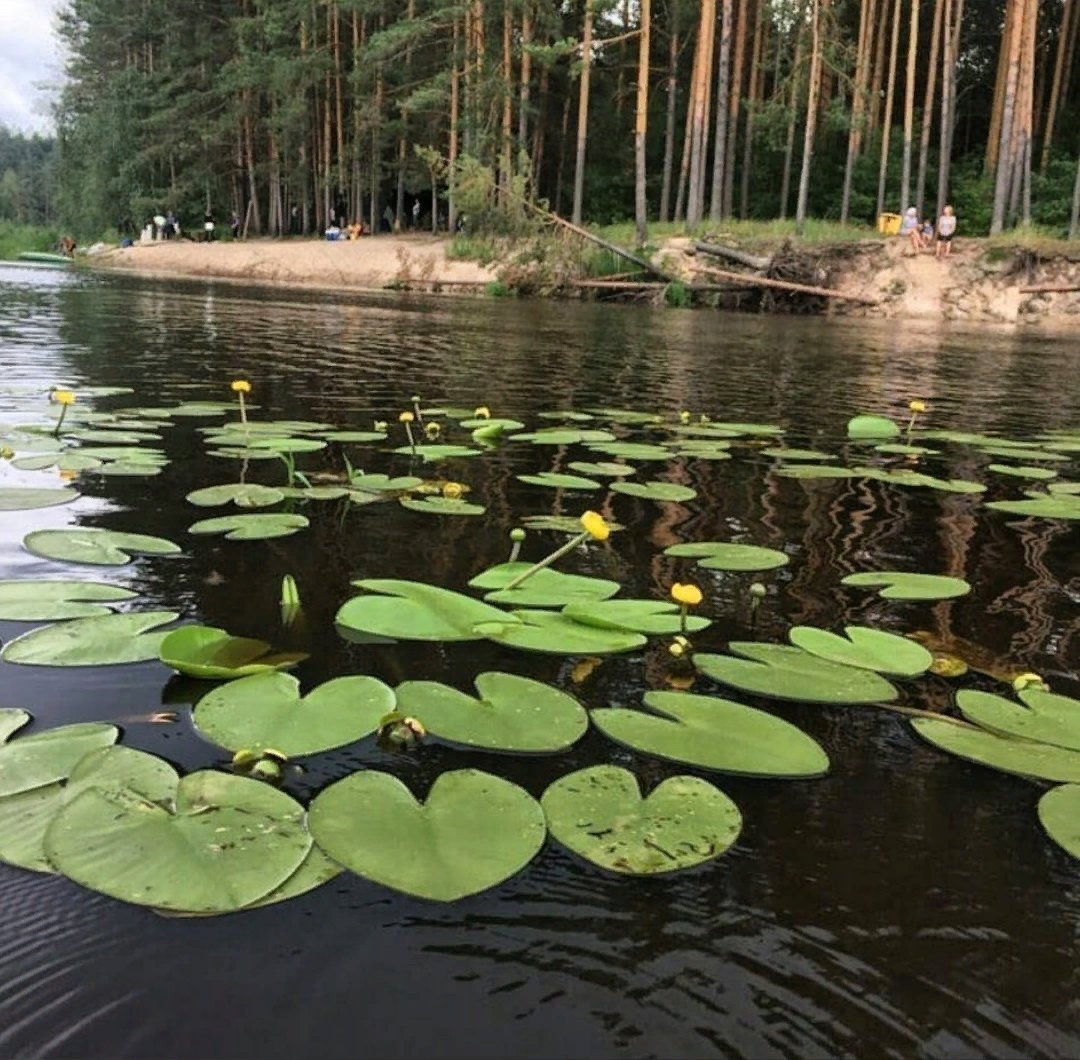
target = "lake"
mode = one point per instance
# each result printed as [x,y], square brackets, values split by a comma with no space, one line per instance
[908,903]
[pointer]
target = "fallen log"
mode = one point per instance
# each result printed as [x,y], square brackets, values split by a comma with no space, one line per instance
[786,285]
[1050,288]
[718,250]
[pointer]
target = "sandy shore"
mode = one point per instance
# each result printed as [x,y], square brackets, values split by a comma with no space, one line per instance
[370,263]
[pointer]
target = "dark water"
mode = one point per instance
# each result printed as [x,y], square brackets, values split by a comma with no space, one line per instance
[907,904]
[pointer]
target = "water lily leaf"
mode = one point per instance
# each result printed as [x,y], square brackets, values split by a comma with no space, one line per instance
[435,505]
[630,450]
[242,494]
[651,617]
[267,710]
[1057,507]
[105,548]
[473,423]
[655,491]
[722,555]
[53,599]
[566,414]
[899,585]
[409,610]
[431,453]
[25,817]
[545,588]
[1067,488]
[126,454]
[315,493]
[356,436]
[205,651]
[691,450]
[122,468]
[905,450]
[1059,814]
[243,453]
[708,432]
[44,758]
[108,437]
[561,524]
[1025,758]
[473,832]
[555,633]
[1043,473]
[1045,717]
[1015,452]
[198,409]
[251,527]
[603,469]
[228,842]
[872,427]
[104,640]
[560,482]
[12,719]
[288,445]
[629,417]
[383,483]
[64,461]
[563,436]
[760,429]
[797,454]
[716,734]
[513,714]
[868,649]
[814,471]
[17,498]
[790,673]
[599,814]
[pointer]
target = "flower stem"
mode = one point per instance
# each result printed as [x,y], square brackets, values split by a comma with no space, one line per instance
[682,619]
[412,441]
[243,409]
[557,554]
[60,421]
[515,551]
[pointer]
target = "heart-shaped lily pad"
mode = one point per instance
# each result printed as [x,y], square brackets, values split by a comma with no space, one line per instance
[655,491]
[473,832]
[228,842]
[557,634]
[1059,814]
[869,649]
[1026,758]
[383,483]
[64,461]
[871,427]
[781,453]
[630,450]
[356,436]
[267,710]
[1045,717]
[899,585]
[513,714]
[544,588]
[1042,473]
[436,505]
[105,548]
[16,498]
[288,445]
[103,640]
[54,599]
[12,719]
[714,733]
[651,617]
[603,469]
[408,610]
[46,757]
[564,436]
[561,524]
[599,814]
[790,673]
[432,453]
[242,494]
[560,482]
[260,527]
[208,652]
[1057,507]
[723,555]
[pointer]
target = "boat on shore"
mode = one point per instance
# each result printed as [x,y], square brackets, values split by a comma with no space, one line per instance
[44,257]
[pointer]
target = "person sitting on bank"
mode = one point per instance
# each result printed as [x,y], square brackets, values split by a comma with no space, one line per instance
[909,226]
[926,233]
[67,247]
[208,226]
[946,229]
[356,230]
[332,232]
[234,225]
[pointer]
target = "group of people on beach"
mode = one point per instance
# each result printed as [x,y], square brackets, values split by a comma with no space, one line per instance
[921,233]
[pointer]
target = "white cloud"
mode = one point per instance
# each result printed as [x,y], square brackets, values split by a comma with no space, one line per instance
[31,63]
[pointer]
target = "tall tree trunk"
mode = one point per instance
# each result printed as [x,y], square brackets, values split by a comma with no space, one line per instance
[909,106]
[733,106]
[505,159]
[858,102]
[641,121]
[583,112]
[699,140]
[452,152]
[1074,220]
[928,107]
[669,124]
[793,114]
[811,112]
[1027,122]
[339,101]
[526,77]
[993,139]
[752,93]
[1068,12]
[1005,160]
[684,161]
[877,72]
[723,103]
[886,123]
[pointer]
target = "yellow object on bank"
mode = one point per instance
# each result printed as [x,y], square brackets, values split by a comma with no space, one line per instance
[888,224]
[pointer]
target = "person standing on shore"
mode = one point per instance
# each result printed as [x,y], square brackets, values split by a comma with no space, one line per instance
[946,229]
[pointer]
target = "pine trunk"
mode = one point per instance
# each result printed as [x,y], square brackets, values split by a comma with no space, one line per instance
[1005,161]
[720,136]
[858,102]
[669,125]
[752,95]
[811,113]
[909,106]
[583,113]
[1074,220]
[1068,11]
[928,107]
[699,140]
[886,123]
[733,106]
[793,114]
[641,127]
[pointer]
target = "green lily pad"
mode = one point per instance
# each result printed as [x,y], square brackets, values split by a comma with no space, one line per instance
[120,468]
[714,733]
[630,450]
[54,599]
[790,673]
[227,842]
[545,588]
[432,453]
[493,424]
[1045,717]
[1042,473]
[722,555]
[208,652]
[126,454]
[107,437]
[15,498]
[104,548]
[199,409]
[1017,453]
[655,491]
[287,445]
[315,493]
[764,430]
[409,610]
[251,527]
[104,640]
[814,471]
[384,483]
[1025,758]
[513,714]
[356,436]
[797,454]
[868,649]
[559,482]
[473,831]
[65,461]
[691,450]
[564,436]
[872,427]
[45,758]
[899,585]
[1058,507]
[25,817]
[905,450]
[651,617]
[561,524]
[12,719]
[435,505]
[242,494]
[267,711]
[1059,814]
[603,469]
[243,453]
[1064,488]
[555,633]
[599,814]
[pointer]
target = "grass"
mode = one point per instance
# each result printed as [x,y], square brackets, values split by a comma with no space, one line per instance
[1046,242]
[15,238]
[745,233]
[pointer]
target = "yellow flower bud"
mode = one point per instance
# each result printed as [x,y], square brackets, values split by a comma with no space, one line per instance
[1029,680]
[684,416]
[917,406]
[406,417]
[688,594]
[452,490]
[415,725]
[240,386]
[595,526]
[482,413]
[379,425]
[676,649]
[63,397]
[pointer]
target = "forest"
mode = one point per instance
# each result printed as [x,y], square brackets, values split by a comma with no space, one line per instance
[291,112]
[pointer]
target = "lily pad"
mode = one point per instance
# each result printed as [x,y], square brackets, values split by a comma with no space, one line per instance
[15,498]
[868,649]
[104,640]
[105,548]
[899,449]
[288,445]
[227,842]
[559,482]
[1041,473]
[545,588]
[722,555]
[630,450]
[703,450]
[797,454]
[555,633]
[208,652]
[561,524]
[564,436]
[473,831]
[384,483]
[435,505]
[513,714]
[872,427]
[1057,507]
[655,491]
[44,758]
[714,733]
[651,617]
[1059,814]
[1045,717]
[814,471]
[493,423]
[251,527]
[12,719]
[1025,758]
[431,453]
[242,494]
[790,673]
[356,436]
[603,469]
[267,711]
[65,461]
[54,599]
[409,610]
[899,585]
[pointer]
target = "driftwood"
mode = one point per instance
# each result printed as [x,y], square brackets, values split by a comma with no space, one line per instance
[718,250]
[1050,288]
[785,285]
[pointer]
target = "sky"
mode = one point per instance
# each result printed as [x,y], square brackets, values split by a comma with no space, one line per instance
[30,63]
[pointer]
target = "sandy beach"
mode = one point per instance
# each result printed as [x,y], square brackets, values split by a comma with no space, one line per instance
[369,263]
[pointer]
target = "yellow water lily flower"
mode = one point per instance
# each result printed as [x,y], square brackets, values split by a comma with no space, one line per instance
[1025,681]
[684,416]
[406,417]
[432,429]
[415,725]
[64,397]
[380,425]
[689,595]
[482,413]
[452,490]
[676,649]
[240,386]
[917,406]
[594,524]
